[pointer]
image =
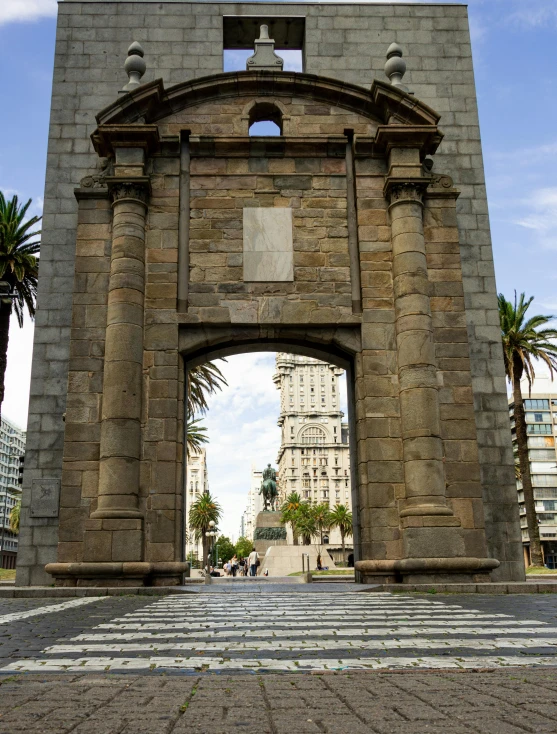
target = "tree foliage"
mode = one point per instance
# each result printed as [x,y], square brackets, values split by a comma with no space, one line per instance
[225,548]
[14,518]
[203,510]
[19,268]
[525,341]
[202,381]
[341,518]
[243,547]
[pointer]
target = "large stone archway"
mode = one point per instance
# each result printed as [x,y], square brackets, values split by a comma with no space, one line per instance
[196,239]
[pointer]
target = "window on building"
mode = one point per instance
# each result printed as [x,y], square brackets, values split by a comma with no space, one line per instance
[530,404]
[314,435]
[539,428]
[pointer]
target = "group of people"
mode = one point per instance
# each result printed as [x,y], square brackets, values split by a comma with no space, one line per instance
[242,566]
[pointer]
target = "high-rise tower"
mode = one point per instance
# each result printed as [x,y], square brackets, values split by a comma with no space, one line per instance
[314,455]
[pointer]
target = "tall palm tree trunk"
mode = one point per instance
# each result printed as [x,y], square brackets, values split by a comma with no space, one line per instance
[5,311]
[524,461]
[343,546]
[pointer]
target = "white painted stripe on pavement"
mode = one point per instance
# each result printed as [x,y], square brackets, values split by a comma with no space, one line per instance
[16,616]
[211,663]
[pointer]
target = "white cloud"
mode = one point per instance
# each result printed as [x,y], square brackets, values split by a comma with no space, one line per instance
[541,216]
[25,10]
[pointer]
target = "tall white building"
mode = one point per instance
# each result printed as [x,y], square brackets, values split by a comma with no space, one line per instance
[197,482]
[12,451]
[314,455]
[254,505]
[540,407]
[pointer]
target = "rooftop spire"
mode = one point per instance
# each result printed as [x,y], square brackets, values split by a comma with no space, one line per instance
[135,67]
[264,57]
[395,68]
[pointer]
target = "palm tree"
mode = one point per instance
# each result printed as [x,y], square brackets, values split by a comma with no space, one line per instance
[524,341]
[19,268]
[196,436]
[304,522]
[322,516]
[14,518]
[202,381]
[341,518]
[204,509]
[289,508]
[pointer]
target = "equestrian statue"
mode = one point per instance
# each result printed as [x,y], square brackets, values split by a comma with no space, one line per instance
[269,489]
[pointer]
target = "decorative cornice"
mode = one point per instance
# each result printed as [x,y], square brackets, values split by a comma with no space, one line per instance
[107,137]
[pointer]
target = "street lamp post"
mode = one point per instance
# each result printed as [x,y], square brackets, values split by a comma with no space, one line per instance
[210,534]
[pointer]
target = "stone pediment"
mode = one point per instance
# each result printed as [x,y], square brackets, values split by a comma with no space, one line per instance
[383,103]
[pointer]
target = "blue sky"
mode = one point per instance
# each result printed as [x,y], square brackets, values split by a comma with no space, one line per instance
[515,56]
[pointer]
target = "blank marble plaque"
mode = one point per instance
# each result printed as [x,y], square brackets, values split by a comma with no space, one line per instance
[268,248]
[45,495]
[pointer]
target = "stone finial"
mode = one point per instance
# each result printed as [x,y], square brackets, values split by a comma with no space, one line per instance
[395,68]
[264,57]
[135,67]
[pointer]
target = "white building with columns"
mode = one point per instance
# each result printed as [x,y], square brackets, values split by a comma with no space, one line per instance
[197,481]
[254,505]
[314,455]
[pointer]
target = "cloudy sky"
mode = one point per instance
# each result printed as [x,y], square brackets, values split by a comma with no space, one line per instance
[515,55]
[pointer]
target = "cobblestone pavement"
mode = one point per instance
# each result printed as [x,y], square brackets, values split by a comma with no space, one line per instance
[277,632]
[519,701]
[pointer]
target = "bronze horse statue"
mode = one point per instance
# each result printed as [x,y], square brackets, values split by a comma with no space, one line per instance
[269,489]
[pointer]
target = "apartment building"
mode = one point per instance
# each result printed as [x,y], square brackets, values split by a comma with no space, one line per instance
[12,451]
[540,407]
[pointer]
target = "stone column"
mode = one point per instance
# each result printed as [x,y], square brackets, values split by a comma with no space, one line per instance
[123,363]
[417,371]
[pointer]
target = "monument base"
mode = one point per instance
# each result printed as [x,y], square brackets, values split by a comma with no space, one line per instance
[286,559]
[427,570]
[269,531]
[118,574]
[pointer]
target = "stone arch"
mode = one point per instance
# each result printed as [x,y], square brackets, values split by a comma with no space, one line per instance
[151,102]
[263,109]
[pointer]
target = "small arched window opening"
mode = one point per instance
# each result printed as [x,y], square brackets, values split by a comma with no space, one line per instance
[265,119]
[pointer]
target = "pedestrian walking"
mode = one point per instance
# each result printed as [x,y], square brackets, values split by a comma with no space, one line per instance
[234,565]
[252,562]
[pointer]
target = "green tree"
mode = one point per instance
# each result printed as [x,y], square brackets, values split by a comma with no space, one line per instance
[341,518]
[14,517]
[226,548]
[524,341]
[243,547]
[304,523]
[203,510]
[202,381]
[19,268]
[288,513]
[322,516]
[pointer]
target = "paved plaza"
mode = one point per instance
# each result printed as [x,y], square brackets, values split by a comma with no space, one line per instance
[285,659]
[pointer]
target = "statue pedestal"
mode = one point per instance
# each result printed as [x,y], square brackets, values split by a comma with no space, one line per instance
[269,531]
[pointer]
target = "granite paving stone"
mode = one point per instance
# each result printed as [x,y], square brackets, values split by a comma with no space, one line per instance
[98,668]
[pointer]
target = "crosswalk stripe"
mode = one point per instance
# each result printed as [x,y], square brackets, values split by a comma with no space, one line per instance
[291,632]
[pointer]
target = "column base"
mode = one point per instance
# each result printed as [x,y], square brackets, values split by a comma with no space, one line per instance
[427,570]
[118,574]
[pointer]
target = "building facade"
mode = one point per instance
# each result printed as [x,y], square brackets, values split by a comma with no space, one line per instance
[314,454]
[540,407]
[197,482]
[254,504]
[12,452]
[170,235]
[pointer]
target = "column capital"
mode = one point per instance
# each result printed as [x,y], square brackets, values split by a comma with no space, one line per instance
[137,189]
[409,189]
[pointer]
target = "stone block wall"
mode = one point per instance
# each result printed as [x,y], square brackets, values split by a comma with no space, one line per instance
[185,41]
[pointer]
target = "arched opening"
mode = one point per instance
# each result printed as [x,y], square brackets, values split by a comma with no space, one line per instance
[306,455]
[265,119]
